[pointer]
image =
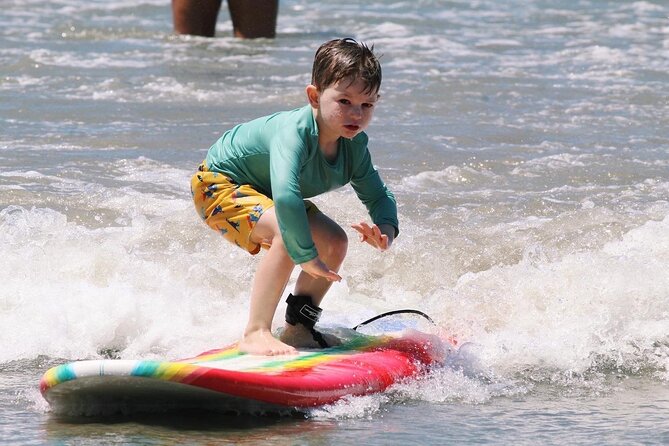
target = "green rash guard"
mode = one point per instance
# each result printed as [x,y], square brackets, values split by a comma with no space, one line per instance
[279,156]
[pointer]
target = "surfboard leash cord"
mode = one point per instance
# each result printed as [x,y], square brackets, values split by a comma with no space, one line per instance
[394,312]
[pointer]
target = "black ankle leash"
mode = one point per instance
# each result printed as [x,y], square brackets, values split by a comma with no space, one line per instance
[301,310]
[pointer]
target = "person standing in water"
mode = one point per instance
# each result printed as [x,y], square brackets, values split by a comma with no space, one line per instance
[250,19]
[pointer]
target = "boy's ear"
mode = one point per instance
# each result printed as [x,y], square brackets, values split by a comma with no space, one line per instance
[313,95]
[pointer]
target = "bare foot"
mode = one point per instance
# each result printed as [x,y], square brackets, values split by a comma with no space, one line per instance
[262,342]
[299,336]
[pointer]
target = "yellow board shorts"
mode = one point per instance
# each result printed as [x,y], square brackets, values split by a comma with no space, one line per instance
[229,208]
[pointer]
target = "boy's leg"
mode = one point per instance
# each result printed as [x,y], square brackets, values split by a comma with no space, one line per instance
[272,275]
[268,285]
[247,219]
[332,243]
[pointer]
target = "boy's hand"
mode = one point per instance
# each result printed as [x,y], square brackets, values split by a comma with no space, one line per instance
[316,268]
[379,237]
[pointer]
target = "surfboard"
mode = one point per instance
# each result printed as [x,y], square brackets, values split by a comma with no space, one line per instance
[226,379]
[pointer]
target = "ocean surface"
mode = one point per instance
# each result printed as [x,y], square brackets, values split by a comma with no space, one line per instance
[527,143]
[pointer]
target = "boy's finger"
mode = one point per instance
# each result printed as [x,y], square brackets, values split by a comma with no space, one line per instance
[332,276]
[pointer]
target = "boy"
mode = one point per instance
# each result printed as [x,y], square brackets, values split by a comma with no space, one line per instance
[253,184]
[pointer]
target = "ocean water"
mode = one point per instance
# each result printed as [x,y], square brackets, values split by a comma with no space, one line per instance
[527,143]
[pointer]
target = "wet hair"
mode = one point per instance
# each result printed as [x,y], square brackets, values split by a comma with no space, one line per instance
[347,58]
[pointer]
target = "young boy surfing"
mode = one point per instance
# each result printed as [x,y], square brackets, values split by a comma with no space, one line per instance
[253,185]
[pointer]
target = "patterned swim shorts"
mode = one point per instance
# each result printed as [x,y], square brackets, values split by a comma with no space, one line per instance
[229,208]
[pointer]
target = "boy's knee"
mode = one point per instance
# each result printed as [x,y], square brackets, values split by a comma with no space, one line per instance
[338,245]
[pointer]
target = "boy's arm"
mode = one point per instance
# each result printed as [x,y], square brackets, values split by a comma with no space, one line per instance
[378,200]
[286,155]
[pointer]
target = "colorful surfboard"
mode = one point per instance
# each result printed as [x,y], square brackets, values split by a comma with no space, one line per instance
[228,379]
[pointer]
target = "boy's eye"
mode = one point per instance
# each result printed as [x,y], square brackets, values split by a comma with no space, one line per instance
[368,105]
[344,101]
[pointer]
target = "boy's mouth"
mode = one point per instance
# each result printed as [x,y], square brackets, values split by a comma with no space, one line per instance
[352,128]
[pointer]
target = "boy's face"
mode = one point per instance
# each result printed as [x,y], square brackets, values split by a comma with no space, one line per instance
[344,108]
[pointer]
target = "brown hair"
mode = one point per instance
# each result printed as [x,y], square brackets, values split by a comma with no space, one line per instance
[341,59]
